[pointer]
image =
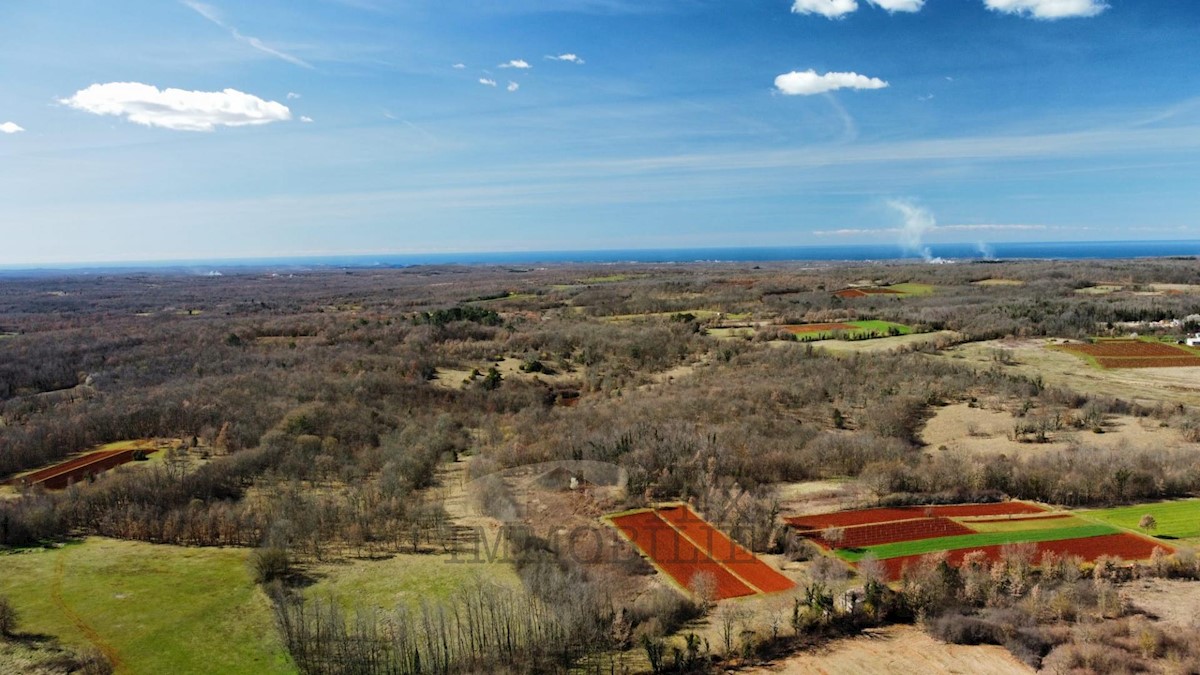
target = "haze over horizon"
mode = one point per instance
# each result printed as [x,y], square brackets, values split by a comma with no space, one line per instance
[189,130]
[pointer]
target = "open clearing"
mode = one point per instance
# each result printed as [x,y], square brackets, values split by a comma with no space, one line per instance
[998,282]
[898,649]
[849,330]
[1134,354]
[982,431]
[884,344]
[406,580]
[1030,357]
[150,608]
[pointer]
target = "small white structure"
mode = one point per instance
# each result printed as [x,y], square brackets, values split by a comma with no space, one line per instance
[1193,341]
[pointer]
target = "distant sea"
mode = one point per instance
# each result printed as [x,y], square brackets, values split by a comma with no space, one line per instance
[859,253]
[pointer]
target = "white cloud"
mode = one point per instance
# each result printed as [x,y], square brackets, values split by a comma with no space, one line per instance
[487,82]
[306,119]
[292,96]
[459,66]
[571,58]
[212,14]
[11,128]
[512,86]
[981,227]
[516,63]
[899,5]
[809,82]
[831,9]
[177,108]
[1048,9]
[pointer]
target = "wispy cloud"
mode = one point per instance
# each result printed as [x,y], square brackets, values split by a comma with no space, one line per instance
[11,128]
[292,96]
[487,82]
[306,119]
[521,64]
[459,66]
[212,14]
[1048,9]
[177,109]
[899,5]
[568,57]
[809,82]
[831,9]
[512,86]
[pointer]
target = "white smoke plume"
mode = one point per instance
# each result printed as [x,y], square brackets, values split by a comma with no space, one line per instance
[917,223]
[985,249]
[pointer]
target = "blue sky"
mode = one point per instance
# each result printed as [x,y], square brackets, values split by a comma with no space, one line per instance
[301,127]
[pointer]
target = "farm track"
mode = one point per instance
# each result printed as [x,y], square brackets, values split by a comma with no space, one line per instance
[80,624]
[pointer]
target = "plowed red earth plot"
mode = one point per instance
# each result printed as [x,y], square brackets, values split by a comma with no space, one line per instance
[725,551]
[681,544]
[1136,354]
[860,536]
[800,329]
[886,515]
[61,475]
[1126,546]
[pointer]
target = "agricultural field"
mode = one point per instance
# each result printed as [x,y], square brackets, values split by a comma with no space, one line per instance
[149,608]
[898,537]
[682,546]
[899,290]
[998,282]
[1134,354]
[1173,520]
[849,330]
[85,466]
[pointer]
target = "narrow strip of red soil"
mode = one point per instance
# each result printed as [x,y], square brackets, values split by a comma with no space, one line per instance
[885,515]
[677,556]
[1018,518]
[1126,546]
[725,551]
[800,329]
[861,536]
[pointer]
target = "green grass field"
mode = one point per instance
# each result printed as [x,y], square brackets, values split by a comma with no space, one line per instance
[862,328]
[150,608]
[912,288]
[405,580]
[923,546]
[1178,519]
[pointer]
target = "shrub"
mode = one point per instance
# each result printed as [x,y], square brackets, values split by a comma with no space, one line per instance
[270,563]
[8,617]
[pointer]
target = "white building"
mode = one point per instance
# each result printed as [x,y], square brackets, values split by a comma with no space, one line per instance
[1193,341]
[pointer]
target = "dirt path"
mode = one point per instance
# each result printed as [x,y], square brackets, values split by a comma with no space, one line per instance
[901,650]
[88,632]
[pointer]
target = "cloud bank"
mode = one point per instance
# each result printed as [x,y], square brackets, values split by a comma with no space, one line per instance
[11,128]
[809,82]
[1048,9]
[177,109]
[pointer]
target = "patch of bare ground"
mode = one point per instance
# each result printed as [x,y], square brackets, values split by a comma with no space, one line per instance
[1032,357]
[1168,601]
[819,496]
[897,649]
[509,368]
[976,430]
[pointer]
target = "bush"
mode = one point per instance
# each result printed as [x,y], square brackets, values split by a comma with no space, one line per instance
[270,563]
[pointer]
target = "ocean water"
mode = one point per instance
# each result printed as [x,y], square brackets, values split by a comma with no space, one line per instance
[859,253]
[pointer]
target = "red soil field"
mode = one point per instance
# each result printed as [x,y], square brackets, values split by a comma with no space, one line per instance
[725,551]
[1127,348]
[817,327]
[61,475]
[1127,546]
[1150,362]
[675,555]
[886,533]
[886,515]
